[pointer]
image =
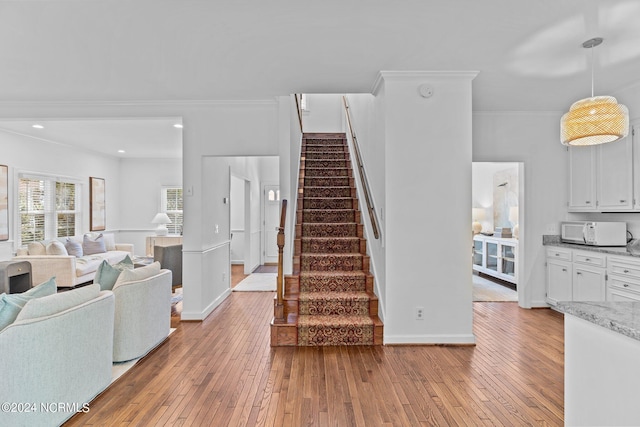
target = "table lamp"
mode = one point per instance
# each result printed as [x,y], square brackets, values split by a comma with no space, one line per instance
[162,219]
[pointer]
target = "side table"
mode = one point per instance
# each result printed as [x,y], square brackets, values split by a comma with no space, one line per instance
[15,276]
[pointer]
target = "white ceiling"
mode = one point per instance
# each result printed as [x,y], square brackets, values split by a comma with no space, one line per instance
[528,53]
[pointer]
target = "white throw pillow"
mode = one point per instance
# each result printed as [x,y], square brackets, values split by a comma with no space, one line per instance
[37,248]
[92,246]
[56,248]
[138,274]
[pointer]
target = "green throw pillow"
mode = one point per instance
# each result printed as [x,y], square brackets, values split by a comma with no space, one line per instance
[11,304]
[107,274]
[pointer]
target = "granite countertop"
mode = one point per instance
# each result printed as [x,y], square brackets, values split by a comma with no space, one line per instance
[613,250]
[620,316]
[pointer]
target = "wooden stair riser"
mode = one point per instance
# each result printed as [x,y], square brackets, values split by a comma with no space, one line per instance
[284,335]
[317,172]
[344,331]
[336,304]
[326,155]
[329,230]
[318,245]
[332,164]
[311,216]
[327,203]
[327,192]
[327,181]
[334,262]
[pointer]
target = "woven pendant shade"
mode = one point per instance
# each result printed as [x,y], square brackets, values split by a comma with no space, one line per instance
[595,120]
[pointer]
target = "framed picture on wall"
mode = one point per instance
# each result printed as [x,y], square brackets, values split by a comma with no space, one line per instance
[4,202]
[97,208]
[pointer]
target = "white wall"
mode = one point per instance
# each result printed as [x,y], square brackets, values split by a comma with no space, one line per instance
[368,125]
[237,220]
[428,207]
[22,154]
[483,187]
[140,195]
[534,139]
[323,114]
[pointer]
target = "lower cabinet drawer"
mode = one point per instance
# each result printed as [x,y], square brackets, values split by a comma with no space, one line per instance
[590,258]
[624,283]
[626,267]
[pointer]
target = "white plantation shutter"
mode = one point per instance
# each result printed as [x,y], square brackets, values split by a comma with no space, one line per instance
[49,208]
[172,205]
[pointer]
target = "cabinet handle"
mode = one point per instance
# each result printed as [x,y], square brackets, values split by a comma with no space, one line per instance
[588,202]
[557,254]
[626,285]
[626,271]
[577,272]
[623,201]
[564,269]
[588,259]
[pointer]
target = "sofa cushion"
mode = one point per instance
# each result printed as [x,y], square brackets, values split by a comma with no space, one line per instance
[74,248]
[37,248]
[138,274]
[56,248]
[107,274]
[52,304]
[12,304]
[92,245]
[109,241]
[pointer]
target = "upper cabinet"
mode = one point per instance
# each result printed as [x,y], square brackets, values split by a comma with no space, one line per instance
[601,177]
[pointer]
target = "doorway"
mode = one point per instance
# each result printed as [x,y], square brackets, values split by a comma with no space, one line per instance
[497,211]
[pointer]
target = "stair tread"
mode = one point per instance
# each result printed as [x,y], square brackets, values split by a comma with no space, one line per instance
[330,320]
[344,295]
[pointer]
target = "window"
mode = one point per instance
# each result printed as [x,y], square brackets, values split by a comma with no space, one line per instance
[48,208]
[172,206]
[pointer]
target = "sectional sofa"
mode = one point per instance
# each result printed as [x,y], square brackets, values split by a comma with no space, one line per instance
[67,259]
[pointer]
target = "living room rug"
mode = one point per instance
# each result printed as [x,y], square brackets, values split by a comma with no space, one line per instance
[487,291]
[257,282]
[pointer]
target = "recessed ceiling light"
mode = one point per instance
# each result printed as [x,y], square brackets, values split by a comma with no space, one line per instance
[121,151]
[37,126]
[178,126]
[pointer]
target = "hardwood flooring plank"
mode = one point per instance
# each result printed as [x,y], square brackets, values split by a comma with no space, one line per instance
[222,371]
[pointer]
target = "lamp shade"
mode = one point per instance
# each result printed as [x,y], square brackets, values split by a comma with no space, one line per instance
[477,214]
[161,218]
[513,214]
[595,120]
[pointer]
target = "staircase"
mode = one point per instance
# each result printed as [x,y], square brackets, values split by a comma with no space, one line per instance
[329,299]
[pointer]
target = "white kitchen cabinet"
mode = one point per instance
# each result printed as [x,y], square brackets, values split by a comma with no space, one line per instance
[495,256]
[582,179]
[624,279]
[601,177]
[575,275]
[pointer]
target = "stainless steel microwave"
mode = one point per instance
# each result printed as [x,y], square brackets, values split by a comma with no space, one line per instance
[594,233]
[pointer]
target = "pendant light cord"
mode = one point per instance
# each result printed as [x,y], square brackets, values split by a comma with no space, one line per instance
[592,66]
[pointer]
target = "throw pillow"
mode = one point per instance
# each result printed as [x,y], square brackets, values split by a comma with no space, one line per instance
[37,248]
[11,304]
[109,241]
[56,248]
[73,248]
[57,303]
[92,246]
[138,274]
[107,274]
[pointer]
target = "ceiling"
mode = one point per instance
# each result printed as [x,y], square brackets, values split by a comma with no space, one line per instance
[528,53]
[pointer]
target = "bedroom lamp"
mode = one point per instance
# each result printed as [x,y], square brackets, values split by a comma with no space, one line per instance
[162,219]
[595,120]
[513,218]
[477,215]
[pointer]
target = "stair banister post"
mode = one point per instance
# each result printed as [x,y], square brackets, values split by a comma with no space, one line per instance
[279,307]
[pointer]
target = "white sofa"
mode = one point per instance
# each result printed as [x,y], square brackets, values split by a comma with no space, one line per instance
[142,313]
[57,357]
[69,270]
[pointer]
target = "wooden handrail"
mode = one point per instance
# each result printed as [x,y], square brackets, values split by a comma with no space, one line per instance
[279,308]
[363,175]
[299,109]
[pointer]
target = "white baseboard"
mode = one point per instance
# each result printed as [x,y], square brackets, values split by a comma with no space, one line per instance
[430,339]
[207,311]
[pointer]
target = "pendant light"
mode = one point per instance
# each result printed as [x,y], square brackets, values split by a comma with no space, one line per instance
[595,120]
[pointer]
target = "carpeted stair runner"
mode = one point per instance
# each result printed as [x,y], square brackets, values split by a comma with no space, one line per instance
[334,294]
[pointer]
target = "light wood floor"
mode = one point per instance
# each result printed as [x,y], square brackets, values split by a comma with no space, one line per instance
[222,372]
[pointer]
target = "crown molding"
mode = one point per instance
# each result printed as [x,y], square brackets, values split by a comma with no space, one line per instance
[404,75]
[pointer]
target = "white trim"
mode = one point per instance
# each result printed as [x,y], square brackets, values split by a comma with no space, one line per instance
[210,249]
[139,102]
[398,75]
[430,339]
[208,310]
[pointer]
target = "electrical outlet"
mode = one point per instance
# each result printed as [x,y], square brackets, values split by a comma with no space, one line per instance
[224,276]
[552,229]
[217,229]
[419,313]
